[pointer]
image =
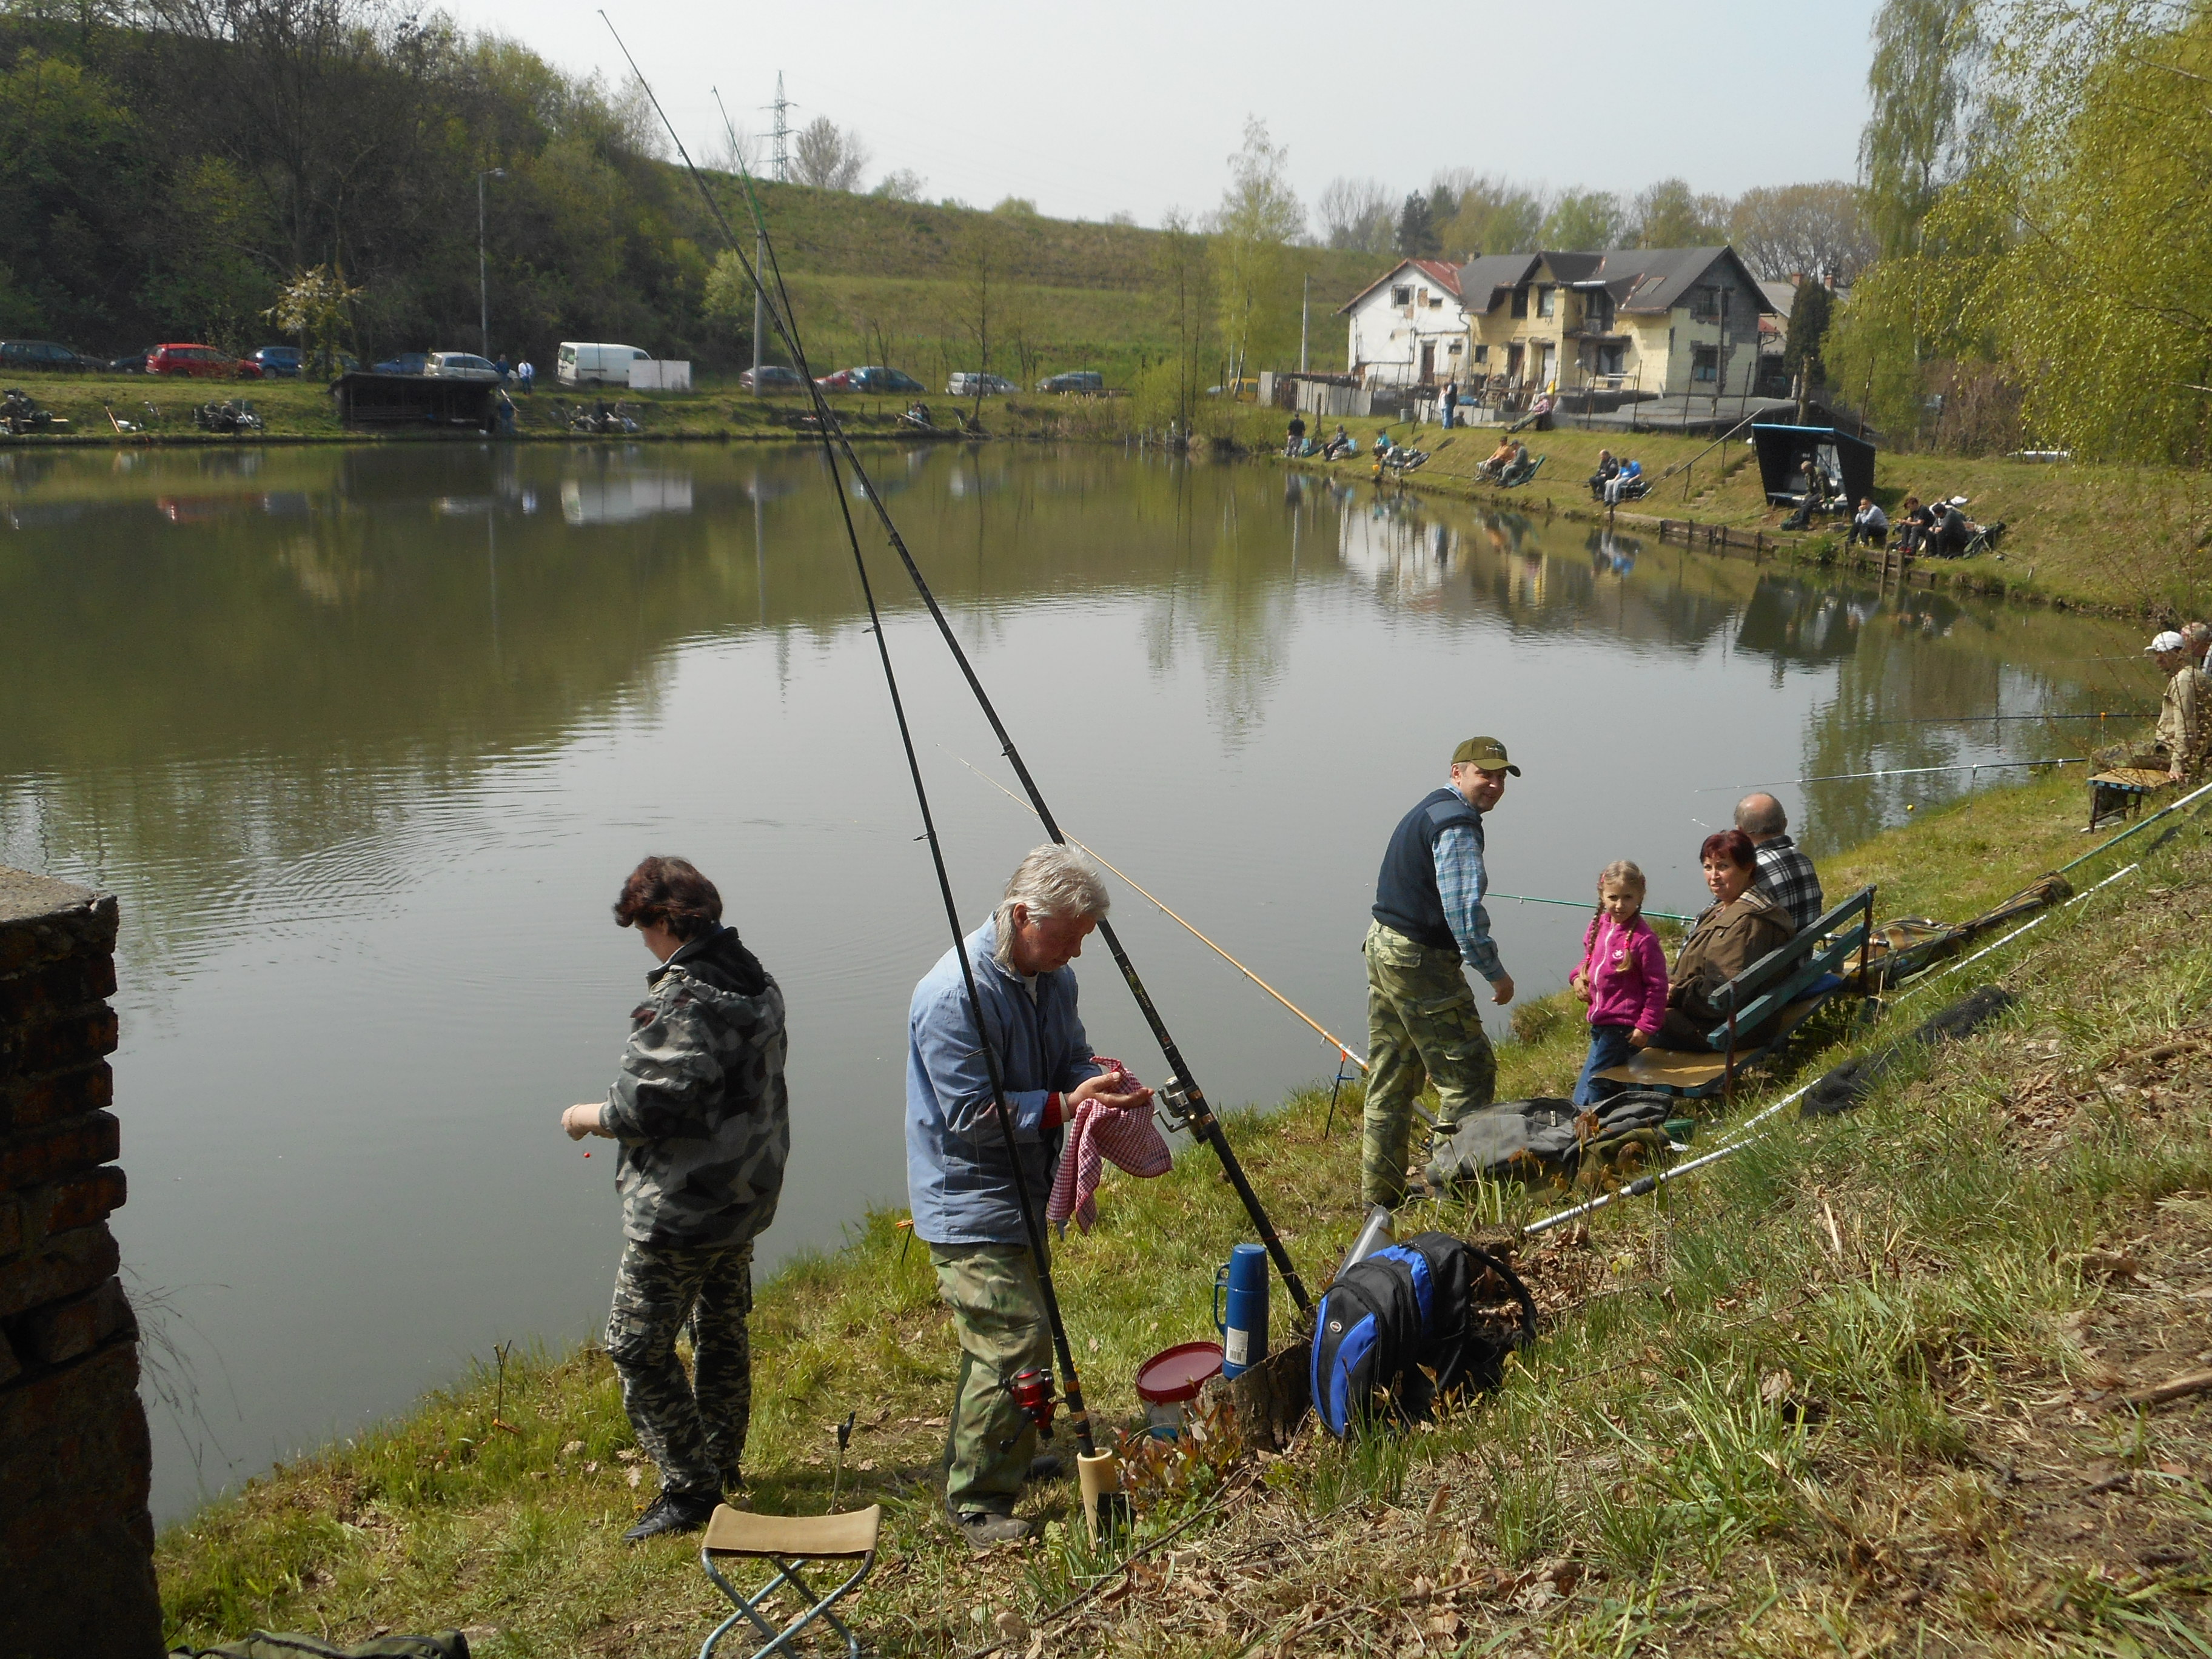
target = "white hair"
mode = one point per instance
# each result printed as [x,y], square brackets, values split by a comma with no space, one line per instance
[1052,881]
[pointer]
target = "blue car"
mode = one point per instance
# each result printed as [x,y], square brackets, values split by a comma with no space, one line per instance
[278,363]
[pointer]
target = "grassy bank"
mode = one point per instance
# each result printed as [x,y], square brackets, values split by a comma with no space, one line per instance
[2126,538]
[1853,1390]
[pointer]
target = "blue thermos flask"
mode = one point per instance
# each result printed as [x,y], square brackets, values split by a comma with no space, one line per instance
[1240,1284]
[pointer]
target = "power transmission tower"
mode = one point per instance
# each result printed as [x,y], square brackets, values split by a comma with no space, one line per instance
[782,164]
[782,132]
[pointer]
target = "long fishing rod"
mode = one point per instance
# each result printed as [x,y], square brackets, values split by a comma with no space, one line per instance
[1182,1096]
[1078,1417]
[1579,904]
[1983,720]
[1899,772]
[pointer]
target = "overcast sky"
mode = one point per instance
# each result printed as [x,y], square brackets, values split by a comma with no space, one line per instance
[1089,110]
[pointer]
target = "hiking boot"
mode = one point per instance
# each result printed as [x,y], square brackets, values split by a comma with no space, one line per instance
[672,1511]
[1045,1466]
[984,1530]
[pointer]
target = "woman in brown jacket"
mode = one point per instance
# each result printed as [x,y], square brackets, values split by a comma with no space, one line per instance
[1742,925]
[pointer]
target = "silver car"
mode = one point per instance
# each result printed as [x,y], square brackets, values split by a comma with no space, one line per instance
[462,365]
[965,384]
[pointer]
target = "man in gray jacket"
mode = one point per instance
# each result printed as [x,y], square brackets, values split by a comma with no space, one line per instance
[703,1118]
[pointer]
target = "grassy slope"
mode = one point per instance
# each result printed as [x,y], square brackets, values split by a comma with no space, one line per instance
[2117,537]
[1912,1277]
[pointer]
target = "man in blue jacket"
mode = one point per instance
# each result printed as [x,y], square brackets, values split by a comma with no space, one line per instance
[960,1171]
[1429,924]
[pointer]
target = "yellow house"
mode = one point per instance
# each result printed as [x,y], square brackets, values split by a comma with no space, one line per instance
[1664,322]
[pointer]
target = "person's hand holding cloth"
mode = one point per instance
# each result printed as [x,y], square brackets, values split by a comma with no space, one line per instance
[1110,1117]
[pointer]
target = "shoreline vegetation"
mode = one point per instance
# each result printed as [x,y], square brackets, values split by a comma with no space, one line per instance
[1863,1387]
[2124,539]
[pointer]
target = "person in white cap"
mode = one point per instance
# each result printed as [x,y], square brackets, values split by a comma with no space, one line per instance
[2183,711]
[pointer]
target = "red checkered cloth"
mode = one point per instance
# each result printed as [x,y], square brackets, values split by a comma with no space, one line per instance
[1125,1134]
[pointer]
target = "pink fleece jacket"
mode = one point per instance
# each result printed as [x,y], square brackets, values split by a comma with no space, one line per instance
[1627,972]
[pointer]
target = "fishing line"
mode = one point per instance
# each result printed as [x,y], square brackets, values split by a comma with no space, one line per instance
[1899,772]
[1078,1417]
[1182,1096]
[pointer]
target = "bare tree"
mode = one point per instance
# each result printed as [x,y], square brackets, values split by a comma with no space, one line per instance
[1783,229]
[904,185]
[828,157]
[1357,213]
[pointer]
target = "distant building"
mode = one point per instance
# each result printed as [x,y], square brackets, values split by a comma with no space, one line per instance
[1406,328]
[1650,322]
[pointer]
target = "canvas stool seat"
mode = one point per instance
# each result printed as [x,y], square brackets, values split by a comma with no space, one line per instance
[786,1541]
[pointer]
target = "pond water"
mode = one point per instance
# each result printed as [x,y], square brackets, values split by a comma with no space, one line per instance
[366,740]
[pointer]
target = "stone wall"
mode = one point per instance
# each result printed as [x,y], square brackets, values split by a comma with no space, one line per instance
[77,1573]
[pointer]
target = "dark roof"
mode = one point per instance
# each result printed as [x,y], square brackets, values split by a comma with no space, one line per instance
[1639,279]
[1442,273]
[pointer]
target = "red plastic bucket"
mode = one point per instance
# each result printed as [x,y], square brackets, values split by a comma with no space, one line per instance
[1171,1378]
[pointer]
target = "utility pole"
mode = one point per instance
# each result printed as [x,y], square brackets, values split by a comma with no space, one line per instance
[483,280]
[760,237]
[1305,307]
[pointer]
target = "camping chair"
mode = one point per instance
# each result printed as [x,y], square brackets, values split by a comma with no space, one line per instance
[1983,540]
[2117,793]
[1783,989]
[1514,476]
[787,1540]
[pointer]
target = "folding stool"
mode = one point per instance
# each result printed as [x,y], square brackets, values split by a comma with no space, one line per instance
[786,1540]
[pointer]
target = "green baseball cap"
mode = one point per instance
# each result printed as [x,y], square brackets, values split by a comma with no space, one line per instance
[1488,753]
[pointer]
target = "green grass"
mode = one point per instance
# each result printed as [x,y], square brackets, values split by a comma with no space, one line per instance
[1771,1412]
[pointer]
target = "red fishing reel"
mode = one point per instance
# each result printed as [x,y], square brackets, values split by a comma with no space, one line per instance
[1034,1399]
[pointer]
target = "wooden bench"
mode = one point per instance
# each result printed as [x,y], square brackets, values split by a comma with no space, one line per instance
[1786,987]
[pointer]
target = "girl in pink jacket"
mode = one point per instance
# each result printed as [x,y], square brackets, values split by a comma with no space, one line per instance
[1623,977]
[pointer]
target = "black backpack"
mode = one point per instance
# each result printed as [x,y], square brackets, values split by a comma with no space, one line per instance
[1431,1317]
[265,1644]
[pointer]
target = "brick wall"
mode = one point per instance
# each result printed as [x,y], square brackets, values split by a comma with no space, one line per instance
[77,1573]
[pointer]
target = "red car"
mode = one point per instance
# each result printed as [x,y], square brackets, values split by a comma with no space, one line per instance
[203,361]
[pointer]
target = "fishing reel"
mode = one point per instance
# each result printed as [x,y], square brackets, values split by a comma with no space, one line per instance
[1174,1099]
[1034,1399]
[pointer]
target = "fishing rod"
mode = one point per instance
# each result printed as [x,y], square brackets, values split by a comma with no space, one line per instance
[1580,904]
[1900,772]
[1183,1099]
[1983,720]
[1078,1417]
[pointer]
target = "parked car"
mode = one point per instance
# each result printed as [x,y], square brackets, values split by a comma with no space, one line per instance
[964,384]
[586,363]
[1080,380]
[836,381]
[18,355]
[462,366]
[132,362]
[407,363]
[202,362]
[885,380]
[278,363]
[774,377]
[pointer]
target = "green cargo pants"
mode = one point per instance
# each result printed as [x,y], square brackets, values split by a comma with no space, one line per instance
[998,1313]
[1422,1027]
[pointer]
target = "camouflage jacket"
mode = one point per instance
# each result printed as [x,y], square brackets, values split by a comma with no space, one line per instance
[701,1108]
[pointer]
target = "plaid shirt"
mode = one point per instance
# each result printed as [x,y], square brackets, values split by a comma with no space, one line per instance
[1460,883]
[1787,876]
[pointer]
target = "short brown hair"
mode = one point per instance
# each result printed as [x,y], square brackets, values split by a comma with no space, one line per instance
[670,893]
[1730,844]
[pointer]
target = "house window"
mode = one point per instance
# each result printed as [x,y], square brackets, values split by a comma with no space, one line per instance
[1520,303]
[1436,302]
[1402,296]
[1597,312]
[1704,305]
[1547,301]
[1704,362]
[1453,349]
[1482,354]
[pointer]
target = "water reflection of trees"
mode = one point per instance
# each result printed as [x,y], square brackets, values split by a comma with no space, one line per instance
[289,645]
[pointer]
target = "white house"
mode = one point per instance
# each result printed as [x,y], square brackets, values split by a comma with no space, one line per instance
[1406,328]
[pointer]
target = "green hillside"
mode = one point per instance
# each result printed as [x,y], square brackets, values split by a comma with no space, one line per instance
[879,281]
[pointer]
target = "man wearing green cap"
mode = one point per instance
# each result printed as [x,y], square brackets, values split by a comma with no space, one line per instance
[1422,1022]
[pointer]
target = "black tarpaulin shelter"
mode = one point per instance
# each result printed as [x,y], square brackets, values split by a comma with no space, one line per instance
[1845,462]
[414,400]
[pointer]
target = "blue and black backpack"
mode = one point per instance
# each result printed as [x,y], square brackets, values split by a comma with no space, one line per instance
[1430,1318]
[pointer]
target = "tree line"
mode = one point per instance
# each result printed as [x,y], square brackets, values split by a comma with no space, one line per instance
[171,168]
[2036,172]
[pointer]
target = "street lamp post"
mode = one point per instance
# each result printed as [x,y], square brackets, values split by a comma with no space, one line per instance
[483,282]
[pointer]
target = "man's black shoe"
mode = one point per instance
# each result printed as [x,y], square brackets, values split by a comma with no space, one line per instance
[672,1511]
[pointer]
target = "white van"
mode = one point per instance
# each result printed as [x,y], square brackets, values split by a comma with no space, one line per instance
[583,362]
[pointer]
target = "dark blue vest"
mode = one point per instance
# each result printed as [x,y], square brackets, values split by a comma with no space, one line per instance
[1406,896]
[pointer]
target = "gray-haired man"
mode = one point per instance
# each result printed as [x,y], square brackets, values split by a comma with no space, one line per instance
[960,1171]
[1785,875]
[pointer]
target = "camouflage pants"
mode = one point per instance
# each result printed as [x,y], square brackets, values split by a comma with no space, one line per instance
[1422,1027]
[693,1428]
[998,1313]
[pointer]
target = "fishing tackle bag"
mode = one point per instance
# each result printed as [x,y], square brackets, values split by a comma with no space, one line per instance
[1420,1321]
[269,1645]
